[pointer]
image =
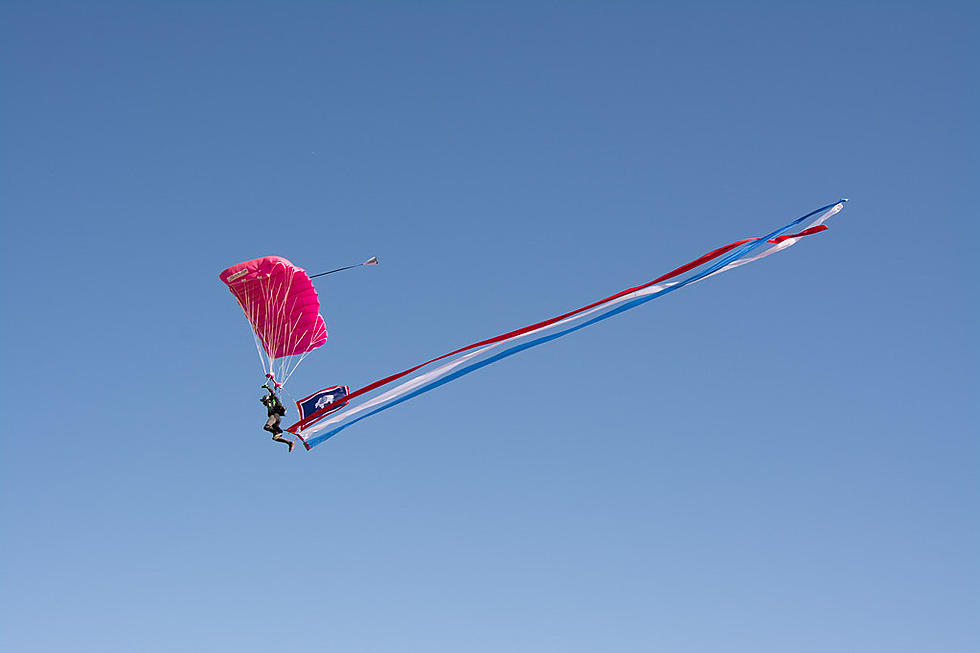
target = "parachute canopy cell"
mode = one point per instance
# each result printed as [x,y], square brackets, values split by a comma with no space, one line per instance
[280,303]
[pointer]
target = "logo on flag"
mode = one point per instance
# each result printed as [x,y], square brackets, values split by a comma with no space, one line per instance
[332,398]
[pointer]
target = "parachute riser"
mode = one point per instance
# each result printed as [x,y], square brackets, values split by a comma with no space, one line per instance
[274,382]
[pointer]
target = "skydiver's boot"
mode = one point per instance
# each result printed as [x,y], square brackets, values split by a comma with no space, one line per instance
[278,438]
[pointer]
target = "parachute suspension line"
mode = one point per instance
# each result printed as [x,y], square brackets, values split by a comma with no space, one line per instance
[284,328]
[258,348]
[288,372]
[267,295]
[251,311]
[266,299]
[295,361]
[276,298]
[281,328]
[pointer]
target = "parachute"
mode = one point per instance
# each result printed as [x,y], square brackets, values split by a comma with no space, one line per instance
[282,307]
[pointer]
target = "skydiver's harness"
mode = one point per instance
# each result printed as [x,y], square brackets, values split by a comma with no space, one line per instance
[276,411]
[272,404]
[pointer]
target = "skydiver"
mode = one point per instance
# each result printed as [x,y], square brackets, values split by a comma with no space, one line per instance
[276,410]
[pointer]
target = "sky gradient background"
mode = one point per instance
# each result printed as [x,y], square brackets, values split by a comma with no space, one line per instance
[783,458]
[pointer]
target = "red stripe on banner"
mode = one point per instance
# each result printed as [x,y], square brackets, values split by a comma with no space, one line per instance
[805,232]
[314,417]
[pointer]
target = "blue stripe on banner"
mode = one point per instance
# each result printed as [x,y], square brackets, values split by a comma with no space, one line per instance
[738,253]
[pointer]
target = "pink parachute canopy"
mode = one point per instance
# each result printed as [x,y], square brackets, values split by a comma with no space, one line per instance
[280,303]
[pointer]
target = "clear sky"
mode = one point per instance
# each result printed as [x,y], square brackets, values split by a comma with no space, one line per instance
[783,458]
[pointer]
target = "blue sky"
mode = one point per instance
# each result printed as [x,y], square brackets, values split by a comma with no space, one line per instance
[782,458]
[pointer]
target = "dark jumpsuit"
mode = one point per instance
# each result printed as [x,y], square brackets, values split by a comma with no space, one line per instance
[276,410]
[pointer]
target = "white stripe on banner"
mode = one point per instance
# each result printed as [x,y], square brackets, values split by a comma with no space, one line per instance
[314,431]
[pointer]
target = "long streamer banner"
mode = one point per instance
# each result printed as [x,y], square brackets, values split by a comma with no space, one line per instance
[380,395]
